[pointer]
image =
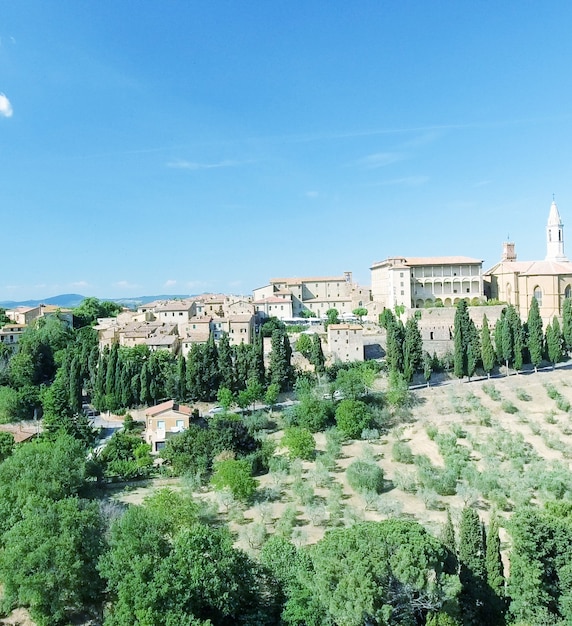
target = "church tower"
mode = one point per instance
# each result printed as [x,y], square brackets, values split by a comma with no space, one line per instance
[555,236]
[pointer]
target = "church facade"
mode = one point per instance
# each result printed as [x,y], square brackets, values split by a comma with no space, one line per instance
[549,281]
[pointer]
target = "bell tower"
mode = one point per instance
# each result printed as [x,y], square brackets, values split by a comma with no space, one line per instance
[555,236]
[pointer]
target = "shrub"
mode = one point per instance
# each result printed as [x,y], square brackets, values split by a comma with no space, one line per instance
[432,431]
[521,394]
[300,442]
[370,434]
[235,475]
[365,476]
[508,407]
[492,392]
[352,416]
[406,481]
[401,453]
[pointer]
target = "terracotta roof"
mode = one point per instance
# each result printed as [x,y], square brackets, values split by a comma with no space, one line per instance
[532,268]
[429,260]
[272,300]
[169,405]
[174,305]
[345,327]
[309,279]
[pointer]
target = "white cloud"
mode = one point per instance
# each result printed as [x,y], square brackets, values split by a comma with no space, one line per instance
[381,159]
[80,283]
[170,283]
[311,194]
[193,165]
[196,284]
[5,106]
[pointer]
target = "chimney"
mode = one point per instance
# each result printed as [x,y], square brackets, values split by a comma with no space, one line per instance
[508,253]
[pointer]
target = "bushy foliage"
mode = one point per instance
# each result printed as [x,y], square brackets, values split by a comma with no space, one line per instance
[365,476]
[352,417]
[300,442]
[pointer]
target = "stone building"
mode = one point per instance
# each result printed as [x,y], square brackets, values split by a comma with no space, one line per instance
[549,281]
[417,282]
[287,298]
[345,342]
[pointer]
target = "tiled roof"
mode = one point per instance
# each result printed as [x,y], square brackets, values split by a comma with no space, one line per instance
[412,261]
[169,405]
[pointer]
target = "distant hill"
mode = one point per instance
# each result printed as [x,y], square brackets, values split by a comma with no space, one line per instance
[66,300]
[70,300]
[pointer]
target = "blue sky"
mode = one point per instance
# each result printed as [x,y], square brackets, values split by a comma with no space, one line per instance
[181,147]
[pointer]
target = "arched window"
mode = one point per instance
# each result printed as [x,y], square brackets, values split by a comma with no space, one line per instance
[568,291]
[538,295]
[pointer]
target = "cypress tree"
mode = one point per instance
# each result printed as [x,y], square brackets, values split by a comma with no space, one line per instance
[567,324]
[75,385]
[225,363]
[280,364]
[495,575]
[181,378]
[507,343]
[258,371]
[535,334]
[554,342]
[242,366]
[317,358]
[99,395]
[111,366]
[210,373]
[451,564]
[487,350]
[518,335]
[145,380]
[472,569]
[427,367]
[412,349]
[395,332]
[462,337]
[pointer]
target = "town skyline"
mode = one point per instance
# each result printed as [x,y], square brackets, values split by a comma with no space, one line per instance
[198,148]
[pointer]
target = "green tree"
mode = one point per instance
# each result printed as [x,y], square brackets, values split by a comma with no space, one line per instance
[360,312]
[48,560]
[352,417]
[412,349]
[535,334]
[236,475]
[427,367]
[487,350]
[567,324]
[6,445]
[449,541]
[554,342]
[371,573]
[317,358]
[299,442]
[59,463]
[332,317]
[271,395]
[225,398]
[495,575]
[225,363]
[472,570]
[280,359]
[465,337]
[304,345]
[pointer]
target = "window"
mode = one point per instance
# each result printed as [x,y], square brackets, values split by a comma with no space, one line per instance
[401,275]
[431,335]
[402,292]
[538,295]
[180,423]
[568,291]
[160,424]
